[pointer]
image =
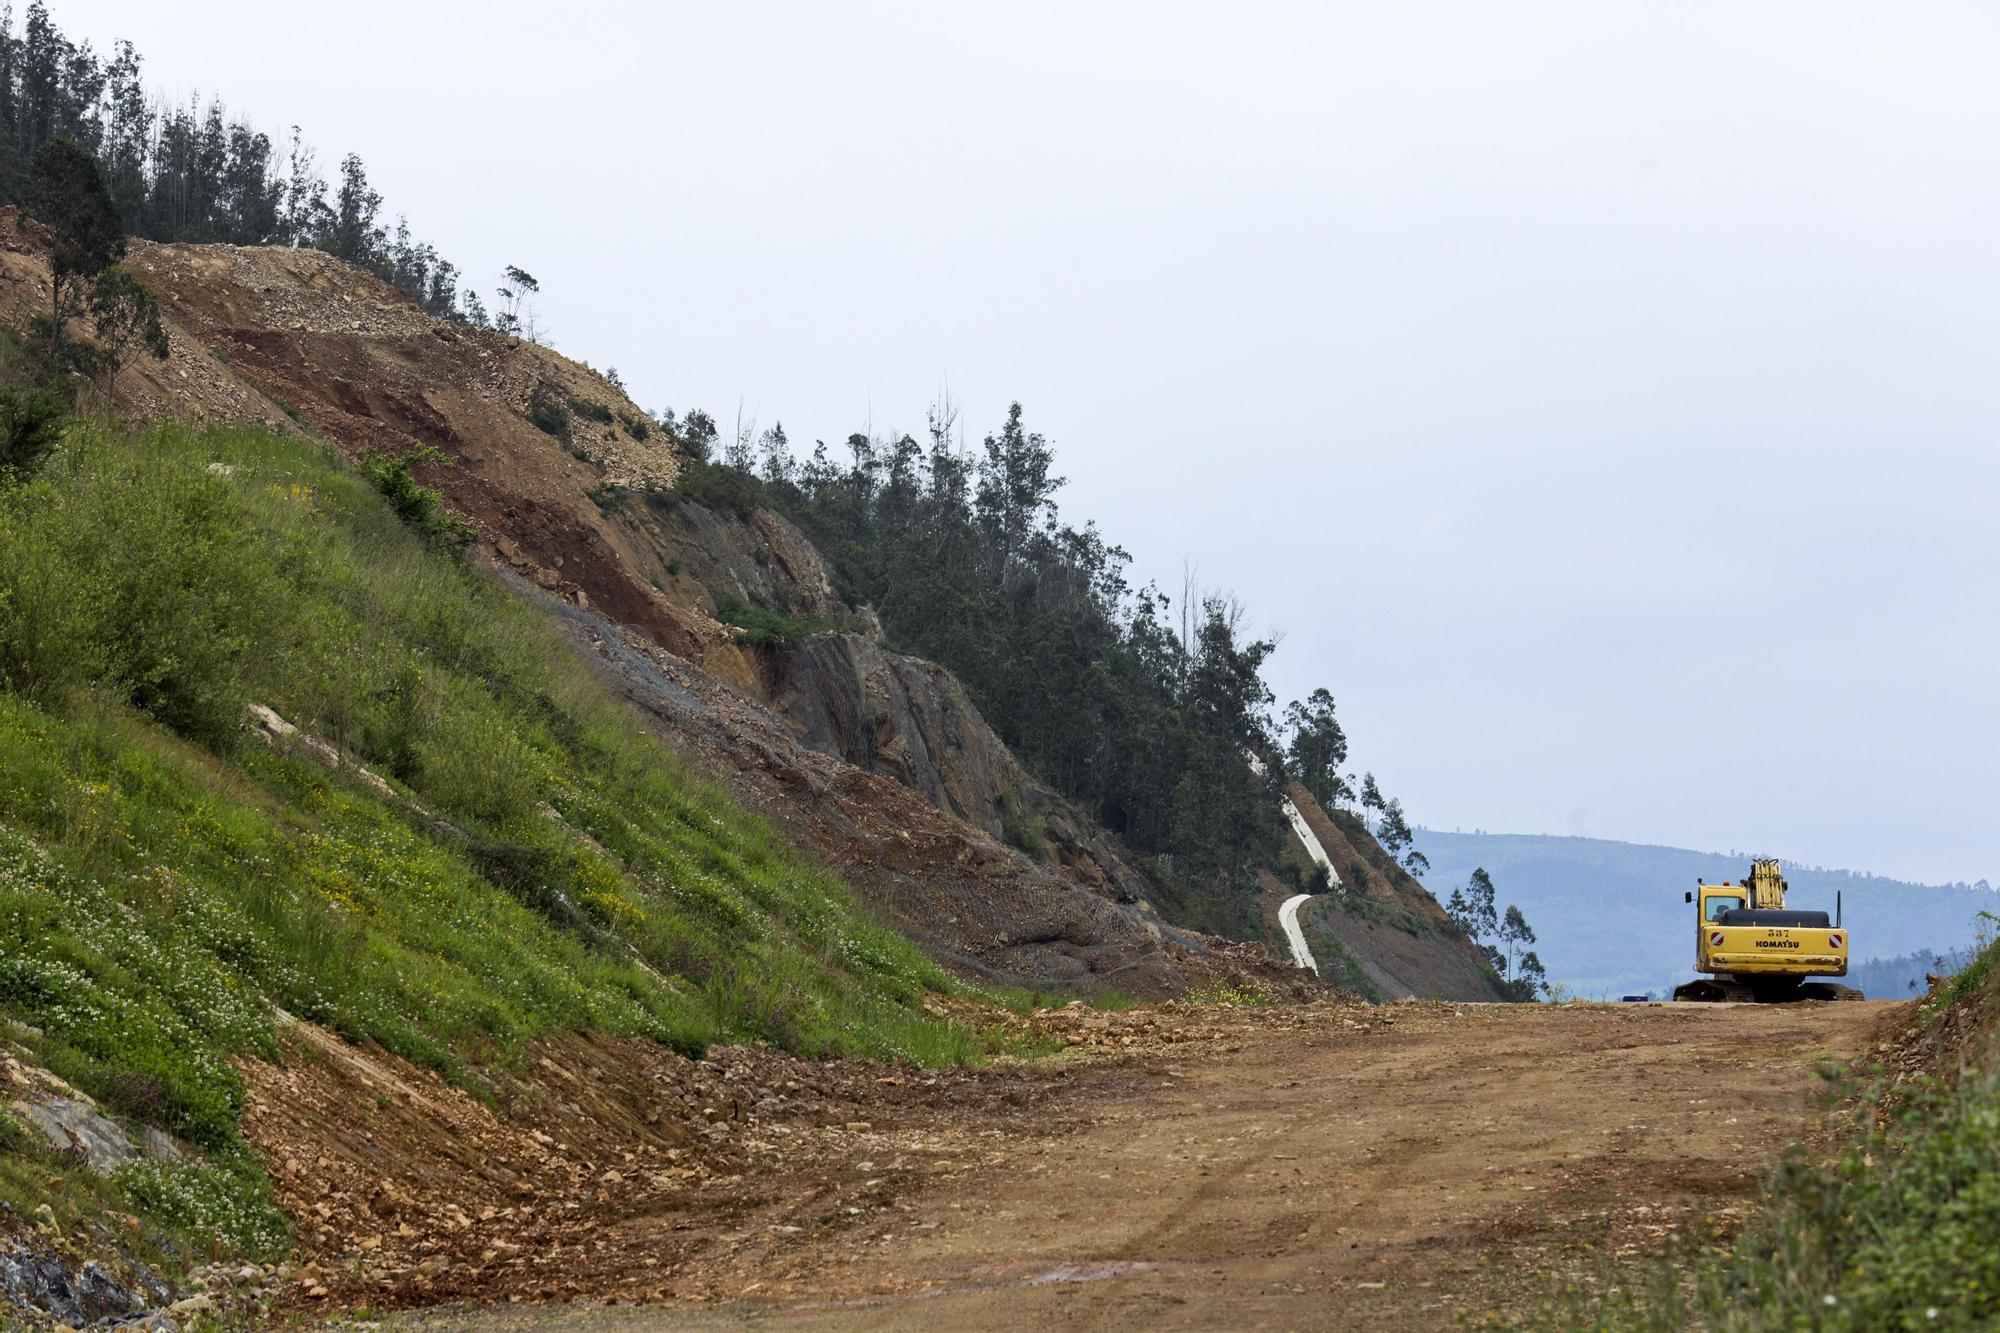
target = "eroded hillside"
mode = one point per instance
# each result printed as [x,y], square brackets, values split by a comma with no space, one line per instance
[1380,932]
[829,734]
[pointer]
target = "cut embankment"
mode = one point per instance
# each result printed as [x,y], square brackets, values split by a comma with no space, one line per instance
[464,847]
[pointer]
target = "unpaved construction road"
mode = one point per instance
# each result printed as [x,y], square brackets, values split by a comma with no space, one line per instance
[1325,1167]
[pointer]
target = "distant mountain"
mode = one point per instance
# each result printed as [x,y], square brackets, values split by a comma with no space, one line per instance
[1610,920]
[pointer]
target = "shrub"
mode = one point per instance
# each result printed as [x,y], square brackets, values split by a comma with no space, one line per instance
[760,624]
[549,412]
[597,412]
[719,487]
[138,580]
[31,424]
[1025,832]
[422,507]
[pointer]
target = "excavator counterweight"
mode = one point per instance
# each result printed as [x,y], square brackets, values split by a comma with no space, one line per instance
[1754,948]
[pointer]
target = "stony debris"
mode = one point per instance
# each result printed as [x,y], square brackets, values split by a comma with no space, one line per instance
[612,1167]
[1211,1158]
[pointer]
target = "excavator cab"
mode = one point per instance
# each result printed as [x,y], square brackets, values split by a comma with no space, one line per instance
[1713,905]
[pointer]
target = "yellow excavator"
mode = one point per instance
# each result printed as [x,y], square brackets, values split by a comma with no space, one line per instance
[1755,948]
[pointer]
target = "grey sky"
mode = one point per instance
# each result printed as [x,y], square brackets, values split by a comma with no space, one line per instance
[1599,398]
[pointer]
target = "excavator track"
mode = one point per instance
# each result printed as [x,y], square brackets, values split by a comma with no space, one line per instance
[1715,990]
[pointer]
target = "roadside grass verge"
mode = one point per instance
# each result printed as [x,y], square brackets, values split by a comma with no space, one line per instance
[541,863]
[1891,1228]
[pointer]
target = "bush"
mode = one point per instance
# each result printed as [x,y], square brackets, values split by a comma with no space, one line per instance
[136,580]
[1025,832]
[31,424]
[422,507]
[597,412]
[721,488]
[549,412]
[760,624]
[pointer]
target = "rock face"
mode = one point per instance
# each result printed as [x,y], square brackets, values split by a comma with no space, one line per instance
[33,1278]
[849,696]
[69,1122]
[909,720]
[982,907]
[905,719]
[759,559]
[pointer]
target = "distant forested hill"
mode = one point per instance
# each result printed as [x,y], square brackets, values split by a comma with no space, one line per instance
[1610,919]
[1902,977]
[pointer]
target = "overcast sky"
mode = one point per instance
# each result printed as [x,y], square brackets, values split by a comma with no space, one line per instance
[1599,399]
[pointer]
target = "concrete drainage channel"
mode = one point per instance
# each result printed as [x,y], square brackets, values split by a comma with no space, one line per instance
[1288,914]
[1288,917]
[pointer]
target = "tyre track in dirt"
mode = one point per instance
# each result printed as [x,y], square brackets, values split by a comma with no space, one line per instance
[1336,1167]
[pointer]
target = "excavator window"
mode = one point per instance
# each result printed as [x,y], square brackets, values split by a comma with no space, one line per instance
[1713,906]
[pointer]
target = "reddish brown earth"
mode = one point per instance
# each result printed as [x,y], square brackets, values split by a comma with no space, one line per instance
[876,762]
[1303,1166]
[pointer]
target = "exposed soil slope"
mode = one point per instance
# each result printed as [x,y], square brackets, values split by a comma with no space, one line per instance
[357,362]
[1323,1167]
[1391,938]
[297,340]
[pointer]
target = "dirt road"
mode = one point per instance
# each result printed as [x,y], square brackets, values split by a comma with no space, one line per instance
[1322,1168]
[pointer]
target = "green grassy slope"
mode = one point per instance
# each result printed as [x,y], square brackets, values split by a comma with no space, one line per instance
[166,877]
